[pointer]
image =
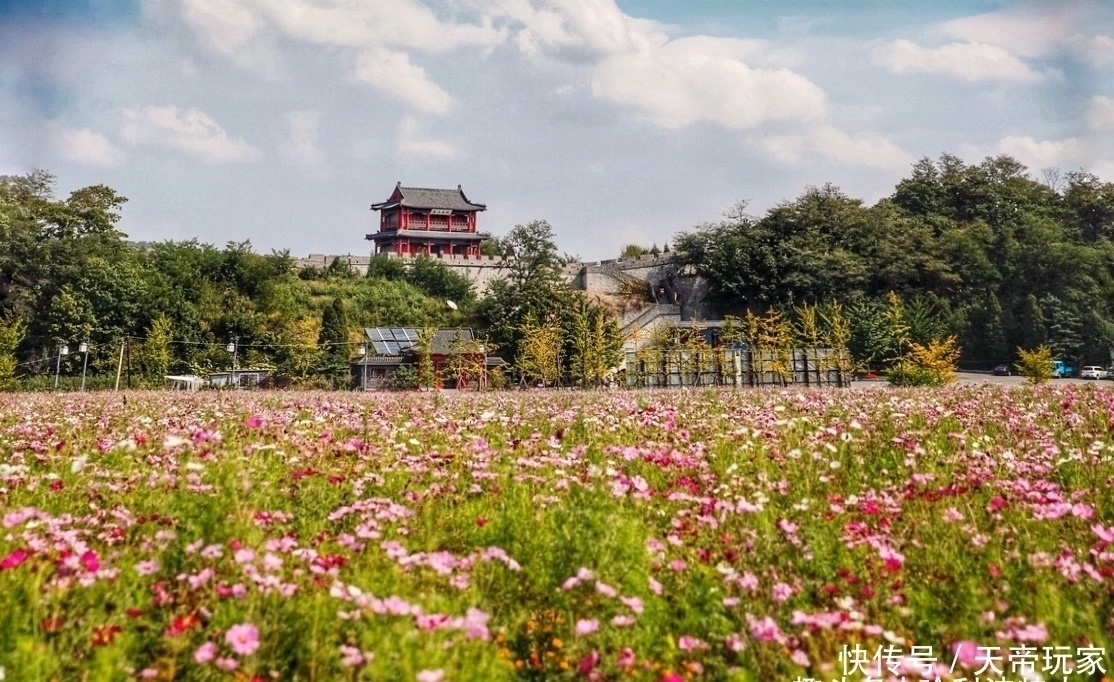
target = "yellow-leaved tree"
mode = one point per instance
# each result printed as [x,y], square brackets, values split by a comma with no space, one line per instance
[1035,365]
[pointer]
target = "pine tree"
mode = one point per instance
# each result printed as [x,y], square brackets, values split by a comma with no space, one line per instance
[333,341]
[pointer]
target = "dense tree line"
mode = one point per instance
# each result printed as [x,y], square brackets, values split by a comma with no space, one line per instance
[68,275]
[984,252]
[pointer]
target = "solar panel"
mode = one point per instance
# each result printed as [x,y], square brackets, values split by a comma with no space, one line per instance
[380,348]
[398,334]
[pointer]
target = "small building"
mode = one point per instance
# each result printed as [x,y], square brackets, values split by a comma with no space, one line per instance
[458,359]
[185,382]
[240,378]
[435,222]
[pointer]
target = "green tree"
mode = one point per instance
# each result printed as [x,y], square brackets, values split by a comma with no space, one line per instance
[533,287]
[11,335]
[334,345]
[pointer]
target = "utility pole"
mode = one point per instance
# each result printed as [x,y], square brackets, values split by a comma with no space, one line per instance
[84,348]
[128,342]
[119,366]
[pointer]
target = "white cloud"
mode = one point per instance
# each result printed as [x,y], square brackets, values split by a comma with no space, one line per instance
[231,27]
[1071,151]
[301,146]
[970,62]
[1031,30]
[186,130]
[577,27]
[85,147]
[393,73]
[828,143]
[698,79]
[361,24]
[1019,30]
[411,143]
[1100,113]
[1097,51]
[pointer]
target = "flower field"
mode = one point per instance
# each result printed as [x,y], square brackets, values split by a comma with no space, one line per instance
[750,535]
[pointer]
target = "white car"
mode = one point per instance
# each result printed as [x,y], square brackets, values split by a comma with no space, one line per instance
[1092,372]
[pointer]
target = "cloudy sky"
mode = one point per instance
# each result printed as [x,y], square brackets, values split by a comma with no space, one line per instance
[618,121]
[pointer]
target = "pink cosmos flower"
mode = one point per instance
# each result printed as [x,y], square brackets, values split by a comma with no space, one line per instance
[15,558]
[90,561]
[622,620]
[243,638]
[687,643]
[351,657]
[626,657]
[227,663]
[633,603]
[586,626]
[431,675]
[588,663]
[147,567]
[1105,534]
[605,589]
[782,593]
[205,653]
[968,654]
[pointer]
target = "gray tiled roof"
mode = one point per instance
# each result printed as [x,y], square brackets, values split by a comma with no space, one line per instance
[425,197]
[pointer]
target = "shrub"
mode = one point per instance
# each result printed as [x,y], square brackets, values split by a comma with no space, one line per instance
[405,377]
[928,365]
[1035,365]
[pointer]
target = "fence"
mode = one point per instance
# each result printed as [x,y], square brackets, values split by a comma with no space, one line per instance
[738,367]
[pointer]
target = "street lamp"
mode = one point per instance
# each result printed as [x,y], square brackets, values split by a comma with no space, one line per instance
[62,350]
[231,348]
[84,348]
[362,350]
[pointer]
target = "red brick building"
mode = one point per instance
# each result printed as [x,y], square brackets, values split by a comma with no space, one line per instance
[417,220]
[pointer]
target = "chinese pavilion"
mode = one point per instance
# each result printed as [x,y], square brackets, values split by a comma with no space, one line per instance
[417,220]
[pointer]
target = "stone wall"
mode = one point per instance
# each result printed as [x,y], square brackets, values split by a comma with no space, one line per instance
[664,280]
[321,261]
[480,270]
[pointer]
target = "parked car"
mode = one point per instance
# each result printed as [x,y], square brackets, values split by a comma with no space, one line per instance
[1061,369]
[1002,370]
[1092,372]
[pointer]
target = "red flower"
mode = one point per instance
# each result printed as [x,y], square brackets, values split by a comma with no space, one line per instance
[997,504]
[90,562]
[14,559]
[182,624]
[103,635]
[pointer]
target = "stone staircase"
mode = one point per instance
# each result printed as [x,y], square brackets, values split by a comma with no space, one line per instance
[638,327]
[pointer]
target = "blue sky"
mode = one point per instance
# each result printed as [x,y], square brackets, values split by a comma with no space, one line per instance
[281,121]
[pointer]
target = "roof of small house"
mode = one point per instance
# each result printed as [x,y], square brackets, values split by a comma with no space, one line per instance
[426,197]
[392,341]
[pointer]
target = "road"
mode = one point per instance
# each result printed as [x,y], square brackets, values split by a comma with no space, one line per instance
[978,378]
